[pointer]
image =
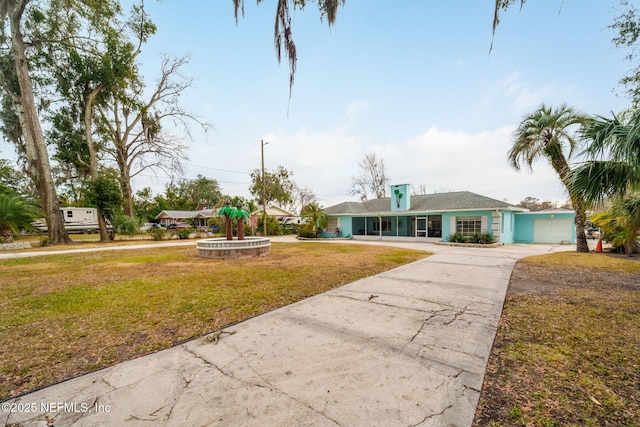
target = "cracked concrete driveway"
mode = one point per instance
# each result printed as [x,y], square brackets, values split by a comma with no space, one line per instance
[407,347]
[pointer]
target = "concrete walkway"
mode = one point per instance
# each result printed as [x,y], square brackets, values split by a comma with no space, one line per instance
[407,347]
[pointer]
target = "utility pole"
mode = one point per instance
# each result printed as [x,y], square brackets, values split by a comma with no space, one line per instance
[264,197]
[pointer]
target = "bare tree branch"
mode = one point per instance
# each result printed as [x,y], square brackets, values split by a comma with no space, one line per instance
[135,128]
[372,180]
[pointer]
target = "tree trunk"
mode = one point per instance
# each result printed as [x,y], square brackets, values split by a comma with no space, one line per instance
[127,193]
[93,155]
[105,236]
[7,235]
[34,138]
[581,238]
[561,166]
[628,247]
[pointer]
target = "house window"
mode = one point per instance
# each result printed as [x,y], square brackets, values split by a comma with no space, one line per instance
[69,214]
[382,224]
[468,225]
[434,225]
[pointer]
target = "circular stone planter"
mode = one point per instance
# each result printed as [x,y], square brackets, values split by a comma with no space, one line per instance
[222,248]
[14,246]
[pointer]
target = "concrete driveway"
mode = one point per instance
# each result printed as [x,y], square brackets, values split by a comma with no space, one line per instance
[407,347]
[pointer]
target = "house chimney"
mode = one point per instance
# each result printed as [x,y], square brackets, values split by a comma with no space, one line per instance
[400,197]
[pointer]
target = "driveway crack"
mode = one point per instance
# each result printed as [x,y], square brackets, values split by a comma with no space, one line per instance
[281,392]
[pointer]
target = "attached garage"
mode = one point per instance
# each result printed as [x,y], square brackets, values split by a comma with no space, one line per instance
[552,230]
[550,226]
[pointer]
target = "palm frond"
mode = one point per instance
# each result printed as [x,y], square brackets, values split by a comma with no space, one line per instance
[545,133]
[598,179]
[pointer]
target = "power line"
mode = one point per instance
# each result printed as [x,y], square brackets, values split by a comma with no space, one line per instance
[217,169]
[190,179]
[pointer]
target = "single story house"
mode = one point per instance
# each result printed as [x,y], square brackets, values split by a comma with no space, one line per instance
[433,217]
[199,217]
[273,211]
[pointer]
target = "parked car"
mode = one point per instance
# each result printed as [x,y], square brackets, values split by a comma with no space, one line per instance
[592,233]
[178,225]
[148,226]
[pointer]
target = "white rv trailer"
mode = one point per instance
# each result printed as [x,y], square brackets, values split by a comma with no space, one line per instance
[76,220]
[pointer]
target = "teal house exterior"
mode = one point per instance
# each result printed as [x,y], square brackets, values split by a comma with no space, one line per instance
[548,226]
[433,217]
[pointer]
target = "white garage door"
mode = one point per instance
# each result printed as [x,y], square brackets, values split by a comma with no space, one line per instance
[552,230]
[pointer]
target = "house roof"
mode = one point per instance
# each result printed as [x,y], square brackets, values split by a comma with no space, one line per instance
[204,213]
[273,210]
[548,211]
[438,202]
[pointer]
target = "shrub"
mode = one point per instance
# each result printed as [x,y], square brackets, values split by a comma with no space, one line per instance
[290,228]
[479,238]
[183,233]
[158,233]
[457,238]
[15,214]
[273,226]
[307,230]
[126,225]
[485,238]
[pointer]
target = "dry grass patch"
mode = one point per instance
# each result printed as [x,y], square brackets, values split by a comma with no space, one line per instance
[82,241]
[566,351]
[64,315]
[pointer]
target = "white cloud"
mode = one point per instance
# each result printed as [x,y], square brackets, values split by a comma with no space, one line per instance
[461,161]
[325,159]
[458,161]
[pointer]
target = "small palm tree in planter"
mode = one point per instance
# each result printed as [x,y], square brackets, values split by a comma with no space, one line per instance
[14,215]
[316,216]
[241,215]
[228,212]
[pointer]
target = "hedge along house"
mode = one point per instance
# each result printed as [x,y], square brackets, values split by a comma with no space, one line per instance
[433,217]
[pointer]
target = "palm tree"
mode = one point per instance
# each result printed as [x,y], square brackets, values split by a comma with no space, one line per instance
[621,222]
[545,134]
[616,177]
[316,216]
[14,215]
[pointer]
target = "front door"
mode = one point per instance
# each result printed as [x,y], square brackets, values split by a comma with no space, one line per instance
[421,227]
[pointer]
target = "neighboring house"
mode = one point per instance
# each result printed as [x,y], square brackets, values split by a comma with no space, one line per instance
[433,217]
[199,217]
[273,211]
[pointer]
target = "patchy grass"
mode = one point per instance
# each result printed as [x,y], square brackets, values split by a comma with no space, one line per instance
[566,351]
[64,315]
[93,241]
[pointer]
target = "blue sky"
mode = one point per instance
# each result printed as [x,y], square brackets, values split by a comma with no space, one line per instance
[412,81]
